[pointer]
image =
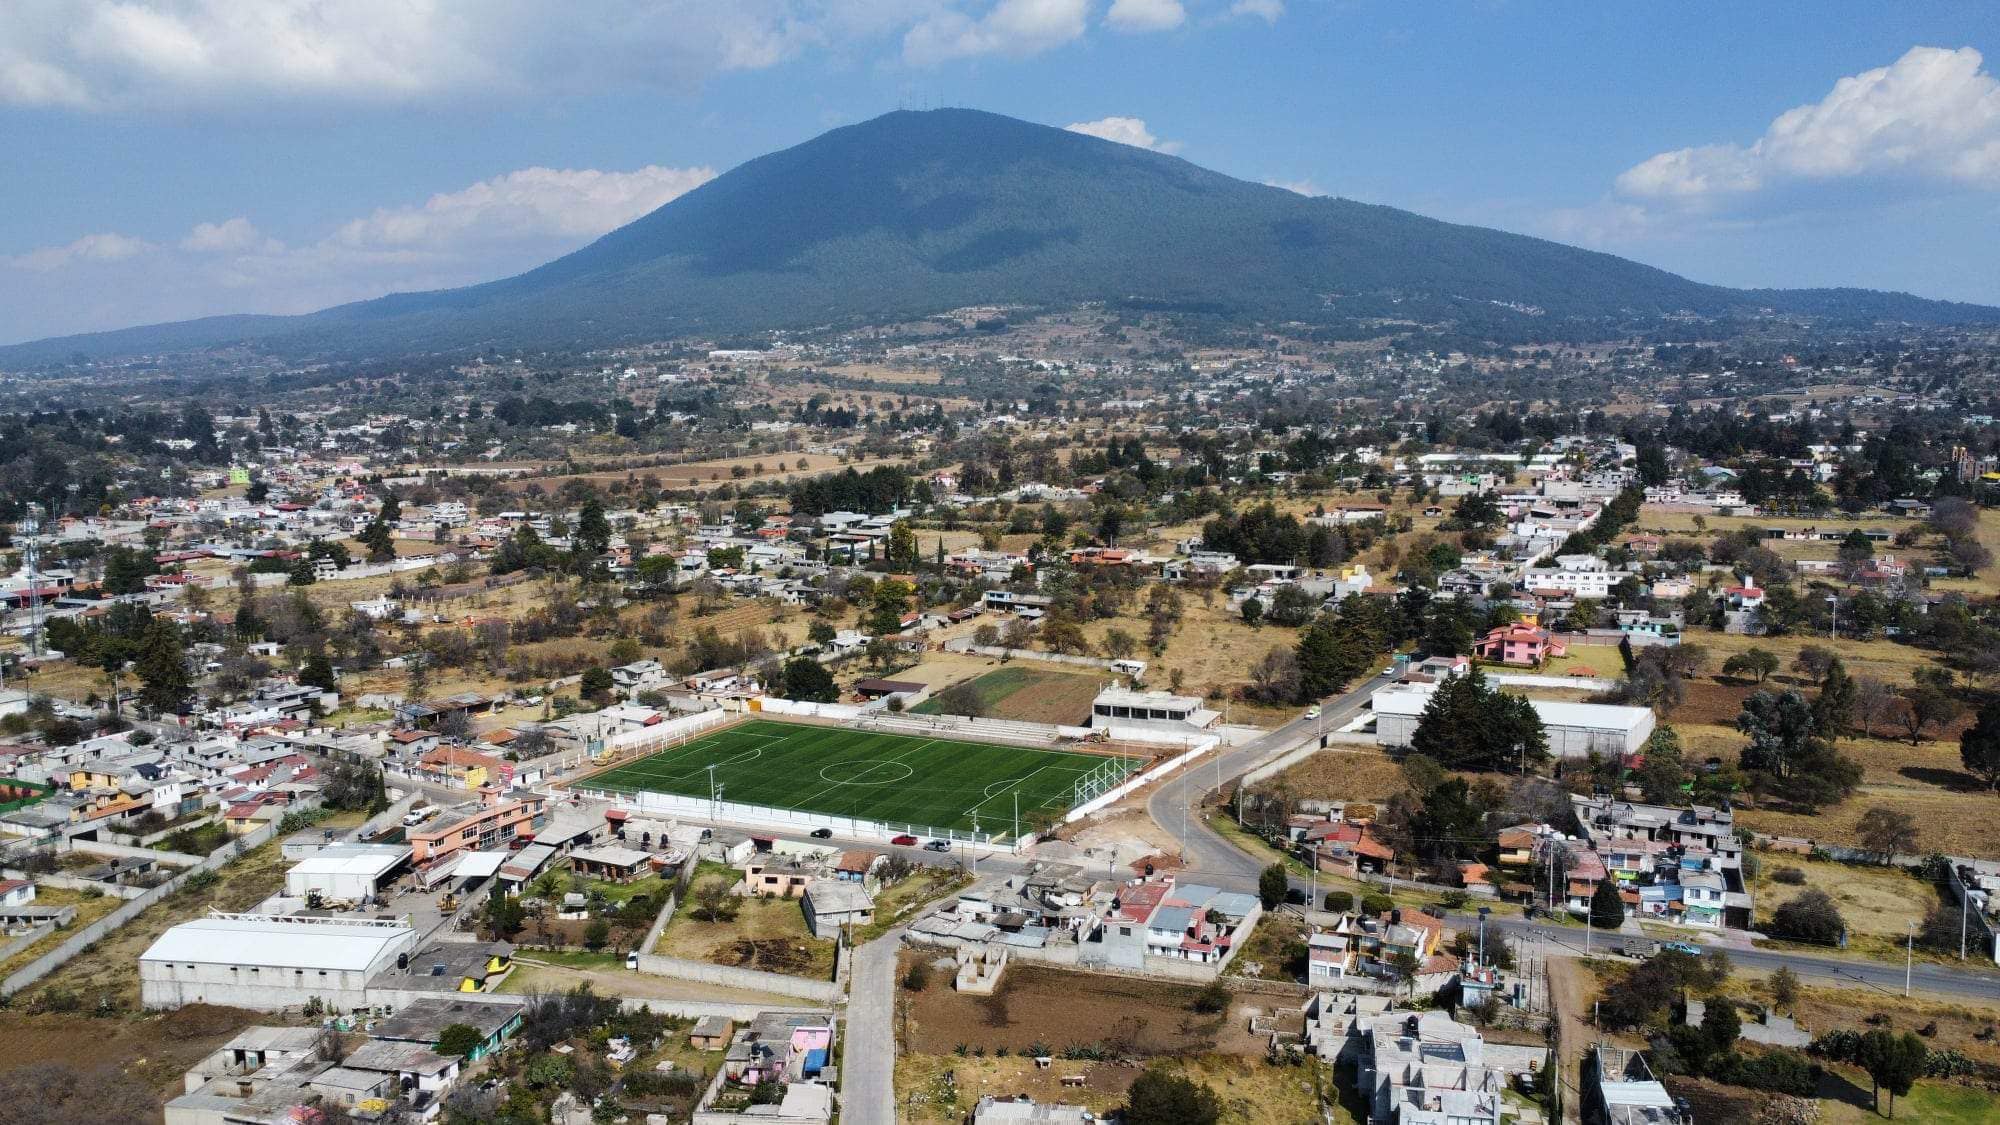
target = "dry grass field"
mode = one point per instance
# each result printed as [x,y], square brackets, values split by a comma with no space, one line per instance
[1876,901]
[766,933]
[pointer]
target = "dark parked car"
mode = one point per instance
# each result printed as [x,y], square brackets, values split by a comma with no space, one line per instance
[822,833]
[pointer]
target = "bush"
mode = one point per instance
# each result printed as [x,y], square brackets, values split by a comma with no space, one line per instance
[1454,900]
[1377,904]
[1213,997]
[1789,876]
[917,977]
[1339,902]
[1811,917]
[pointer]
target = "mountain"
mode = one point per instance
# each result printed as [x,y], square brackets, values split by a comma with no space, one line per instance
[917,212]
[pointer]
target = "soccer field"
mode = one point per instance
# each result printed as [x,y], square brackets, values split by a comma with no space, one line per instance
[894,779]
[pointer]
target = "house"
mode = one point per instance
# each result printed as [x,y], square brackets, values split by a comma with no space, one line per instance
[423,1022]
[770,876]
[499,817]
[1156,710]
[857,865]
[16,892]
[1620,1090]
[1020,1109]
[711,1033]
[620,865]
[830,904]
[1525,645]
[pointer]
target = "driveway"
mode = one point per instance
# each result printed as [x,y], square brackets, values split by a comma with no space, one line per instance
[868,1065]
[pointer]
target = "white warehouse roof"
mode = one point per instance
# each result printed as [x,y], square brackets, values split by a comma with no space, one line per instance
[272,941]
[1411,699]
[352,859]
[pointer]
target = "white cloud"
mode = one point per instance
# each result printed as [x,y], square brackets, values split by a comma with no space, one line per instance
[490,229]
[116,54]
[1007,27]
[231,236]
[1300,187]
[104,247]
[530,203]
[1932,115]
[1266,10]
[1126,131]
[1145,15]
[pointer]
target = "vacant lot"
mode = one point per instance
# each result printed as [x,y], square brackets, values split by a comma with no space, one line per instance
[89,908]
[941,1089]
[1125,1016]
[765,933]
[1031,695]
[1874,900]
[155,1049]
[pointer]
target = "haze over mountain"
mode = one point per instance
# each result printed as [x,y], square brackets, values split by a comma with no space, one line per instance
[914,213]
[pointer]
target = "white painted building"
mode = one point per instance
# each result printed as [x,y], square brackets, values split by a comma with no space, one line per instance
[266,962]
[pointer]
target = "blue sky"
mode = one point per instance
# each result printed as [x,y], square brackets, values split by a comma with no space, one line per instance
[187,157]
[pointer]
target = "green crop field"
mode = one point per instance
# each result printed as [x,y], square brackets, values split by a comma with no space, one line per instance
[896,779]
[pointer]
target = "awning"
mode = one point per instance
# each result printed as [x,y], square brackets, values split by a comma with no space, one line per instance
[480,865]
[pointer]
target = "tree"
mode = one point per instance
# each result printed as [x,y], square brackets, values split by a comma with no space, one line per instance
[1784,984]
[1607,909]
[1893,1061]
[459,1040]
[318,672]
[1834,706]
[1888,833]
[1253,610]
[961,699]
[1161,1097]
[808,681]
[1662,772]
[592,536]
[166,686]
[1470,726]
[1447,824]
[1811,917]
[596,934]
[1979,746]
[1721,1025]
[596,684]
[380,541]
[1272,884]
[1119,644]
[1814,661]
[1923,707]
[1781,730]
[1756,662]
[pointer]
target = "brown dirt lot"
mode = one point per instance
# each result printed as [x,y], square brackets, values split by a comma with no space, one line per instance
[155,1049]
[1126,1016]
[1252,1092]
[1342,775]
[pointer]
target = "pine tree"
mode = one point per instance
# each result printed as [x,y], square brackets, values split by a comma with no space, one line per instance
[162,666]
[1607,910]
[318,672]
[1833,708]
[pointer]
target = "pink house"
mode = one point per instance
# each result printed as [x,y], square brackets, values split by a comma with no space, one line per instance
[1519,644]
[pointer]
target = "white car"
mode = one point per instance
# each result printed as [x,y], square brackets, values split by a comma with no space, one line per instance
[1313,711]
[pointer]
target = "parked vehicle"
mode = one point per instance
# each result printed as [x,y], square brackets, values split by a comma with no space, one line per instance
[905,840]
[822,833]
[1687,947]
[938,846]
[1313,711]
[1640,948]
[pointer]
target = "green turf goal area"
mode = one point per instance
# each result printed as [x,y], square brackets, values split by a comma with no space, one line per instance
[895,780]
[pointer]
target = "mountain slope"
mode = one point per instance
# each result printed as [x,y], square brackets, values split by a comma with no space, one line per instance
[916,212]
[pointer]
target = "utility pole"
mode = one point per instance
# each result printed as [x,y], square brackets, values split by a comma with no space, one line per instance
[1909,955]
[1962,897]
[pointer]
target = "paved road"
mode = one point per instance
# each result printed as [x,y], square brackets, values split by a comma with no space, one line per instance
[1214,859]
[868,1070]
[1210,856]
[1882,976]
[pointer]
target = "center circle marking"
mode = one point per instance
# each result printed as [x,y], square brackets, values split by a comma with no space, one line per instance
[843,773]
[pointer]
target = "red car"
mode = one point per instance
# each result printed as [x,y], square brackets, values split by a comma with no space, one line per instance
[905,840]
